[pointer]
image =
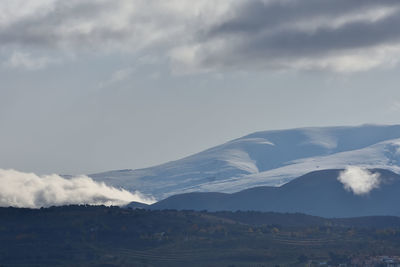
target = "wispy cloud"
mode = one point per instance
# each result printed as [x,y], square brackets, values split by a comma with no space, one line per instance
[23,60]
[29,190]
[118,76]
[395,107]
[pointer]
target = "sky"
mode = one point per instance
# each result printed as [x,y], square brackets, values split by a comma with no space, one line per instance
[94,85]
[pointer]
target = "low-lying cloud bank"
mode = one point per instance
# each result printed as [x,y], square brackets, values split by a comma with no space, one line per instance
[19,189]
[358,180]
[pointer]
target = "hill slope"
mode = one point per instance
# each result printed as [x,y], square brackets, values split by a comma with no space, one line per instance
[318,193]
[270,158]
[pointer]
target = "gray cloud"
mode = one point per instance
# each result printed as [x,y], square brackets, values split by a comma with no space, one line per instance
[340,35]
[68,22]
[294,43]
[336,35]
[26,61]
[125,23]
[253,16]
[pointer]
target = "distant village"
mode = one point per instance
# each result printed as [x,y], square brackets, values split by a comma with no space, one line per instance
[363,261]
[387,261]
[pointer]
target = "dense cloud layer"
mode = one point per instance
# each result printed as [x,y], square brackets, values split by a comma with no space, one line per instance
[358,180]
[337,35]
[28,190]
[102,24]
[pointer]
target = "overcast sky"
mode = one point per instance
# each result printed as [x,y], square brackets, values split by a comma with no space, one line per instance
[94,85]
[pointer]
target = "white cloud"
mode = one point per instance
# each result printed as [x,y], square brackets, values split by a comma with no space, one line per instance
[358,180]
[29,190]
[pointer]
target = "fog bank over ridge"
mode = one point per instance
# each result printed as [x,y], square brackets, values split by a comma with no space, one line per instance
[28,190]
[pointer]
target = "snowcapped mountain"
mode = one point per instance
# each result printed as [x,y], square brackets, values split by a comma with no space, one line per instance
[270,158]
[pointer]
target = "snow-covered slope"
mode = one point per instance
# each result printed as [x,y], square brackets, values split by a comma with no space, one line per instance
[266,158]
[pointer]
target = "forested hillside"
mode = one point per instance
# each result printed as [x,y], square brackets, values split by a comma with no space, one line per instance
[88,235]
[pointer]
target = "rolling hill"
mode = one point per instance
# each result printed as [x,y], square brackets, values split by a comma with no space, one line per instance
[318,193]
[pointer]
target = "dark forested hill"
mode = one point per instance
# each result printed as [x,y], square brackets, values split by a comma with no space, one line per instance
[102,236]
[318,193]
